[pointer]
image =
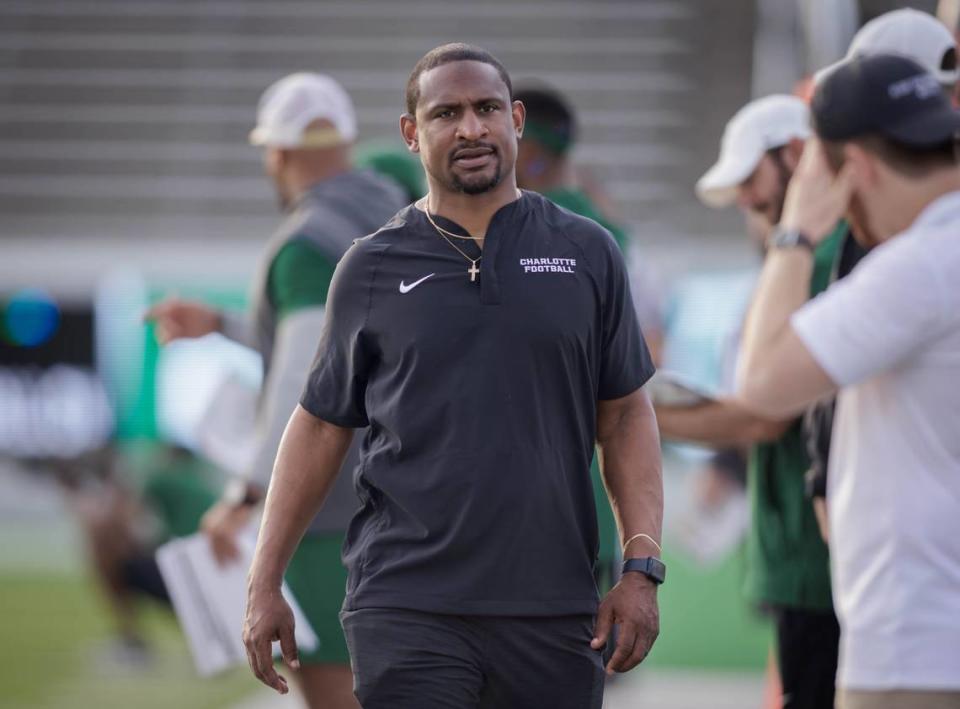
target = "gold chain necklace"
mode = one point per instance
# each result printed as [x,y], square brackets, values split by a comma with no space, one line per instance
[450,233]
[473,271]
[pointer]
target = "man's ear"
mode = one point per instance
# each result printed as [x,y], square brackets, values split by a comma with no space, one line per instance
[408,130]
[865,165]
[792,152]
[519,112]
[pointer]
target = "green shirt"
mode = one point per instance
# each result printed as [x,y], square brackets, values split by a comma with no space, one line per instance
[299,278]
[787,560]
[179,490]
[579,202]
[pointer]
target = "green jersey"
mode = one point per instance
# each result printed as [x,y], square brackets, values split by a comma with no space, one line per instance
[787,560]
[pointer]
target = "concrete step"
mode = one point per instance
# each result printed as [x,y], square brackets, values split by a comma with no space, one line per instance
[119,107]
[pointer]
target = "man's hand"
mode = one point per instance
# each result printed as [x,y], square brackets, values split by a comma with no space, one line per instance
[816,198]
[269,618]
[632,604]
[176,319]
[222,524]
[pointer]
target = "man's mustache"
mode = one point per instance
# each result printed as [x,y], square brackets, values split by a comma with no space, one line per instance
[472,149]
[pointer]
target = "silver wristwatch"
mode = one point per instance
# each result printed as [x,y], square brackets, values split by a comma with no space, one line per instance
[789,239]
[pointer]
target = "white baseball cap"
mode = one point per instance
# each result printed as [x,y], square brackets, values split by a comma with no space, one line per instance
[909,33]
[762,125]
[291,104]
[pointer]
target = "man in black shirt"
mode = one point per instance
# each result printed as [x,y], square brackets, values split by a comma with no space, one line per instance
[488,339]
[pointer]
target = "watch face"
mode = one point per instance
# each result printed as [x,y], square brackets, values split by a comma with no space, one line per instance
[785,238]
[790,238]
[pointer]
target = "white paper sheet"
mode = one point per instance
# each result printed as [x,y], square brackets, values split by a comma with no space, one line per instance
[210,602]
[226,432]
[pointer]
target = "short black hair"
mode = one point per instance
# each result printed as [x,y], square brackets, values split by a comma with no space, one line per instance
[908,160]
[550,118]
[446,54]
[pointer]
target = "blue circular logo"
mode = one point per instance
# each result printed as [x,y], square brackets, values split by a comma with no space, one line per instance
[31,317]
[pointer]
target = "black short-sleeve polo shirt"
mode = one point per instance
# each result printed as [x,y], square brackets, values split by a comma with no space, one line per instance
[481,399]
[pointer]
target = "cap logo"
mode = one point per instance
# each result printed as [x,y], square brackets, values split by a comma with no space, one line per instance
[923,86]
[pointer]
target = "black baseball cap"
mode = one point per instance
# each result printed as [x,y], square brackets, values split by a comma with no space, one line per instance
[884,94]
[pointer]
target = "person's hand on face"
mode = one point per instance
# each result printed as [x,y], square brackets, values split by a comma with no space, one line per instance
[817,198]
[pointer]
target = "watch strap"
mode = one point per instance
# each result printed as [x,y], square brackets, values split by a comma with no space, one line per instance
[791,239]
[650,566]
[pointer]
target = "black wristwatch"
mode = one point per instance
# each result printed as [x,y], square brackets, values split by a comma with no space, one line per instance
[649,566]
[790,239]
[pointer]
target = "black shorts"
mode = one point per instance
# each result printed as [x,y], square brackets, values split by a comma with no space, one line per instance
[808,644]
[412,660]
[141,573]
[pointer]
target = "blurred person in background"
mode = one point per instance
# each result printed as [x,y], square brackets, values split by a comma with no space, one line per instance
[926,40]
[305,125]
[787,561]
[395,162]
[914,34]
[488,339]
[123,526]
[887,337]
[544,165]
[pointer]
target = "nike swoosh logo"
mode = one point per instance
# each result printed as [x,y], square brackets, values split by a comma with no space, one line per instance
[404,288]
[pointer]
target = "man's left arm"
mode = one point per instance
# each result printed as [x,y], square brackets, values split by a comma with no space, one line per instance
[778,375]
[628,447]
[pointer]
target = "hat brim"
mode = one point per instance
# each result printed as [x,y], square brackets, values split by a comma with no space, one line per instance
[718,186]
[312,138]
[927,130]
[259,137]
[947,77]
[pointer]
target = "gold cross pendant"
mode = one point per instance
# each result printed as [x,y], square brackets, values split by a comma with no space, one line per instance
[473,271]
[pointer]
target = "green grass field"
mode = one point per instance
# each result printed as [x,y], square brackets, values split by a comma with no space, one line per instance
[705,622]
[55,639]
[55,631]
[54,647]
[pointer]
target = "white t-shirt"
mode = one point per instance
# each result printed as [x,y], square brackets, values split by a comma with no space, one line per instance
[889,335]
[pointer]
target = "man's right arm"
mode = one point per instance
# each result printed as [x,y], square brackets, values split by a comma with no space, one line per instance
[308,460]
[721,423]
[177,319]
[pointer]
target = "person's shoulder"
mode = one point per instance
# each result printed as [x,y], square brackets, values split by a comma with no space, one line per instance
[299,248]
[587,234]
[396,228]
[907,251]
[927,256]
[344,207]
[299,260]
[378,187]
[372,246]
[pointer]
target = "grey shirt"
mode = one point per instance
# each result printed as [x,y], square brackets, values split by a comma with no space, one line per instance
[328,216]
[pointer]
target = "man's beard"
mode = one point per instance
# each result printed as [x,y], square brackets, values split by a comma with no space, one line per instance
[283,200]
[772,209]
[477,187]
[474,184]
